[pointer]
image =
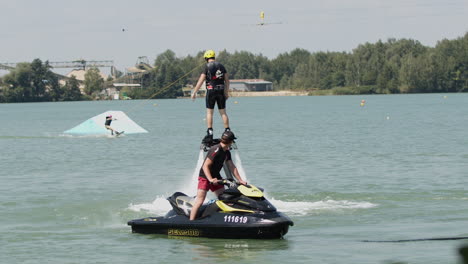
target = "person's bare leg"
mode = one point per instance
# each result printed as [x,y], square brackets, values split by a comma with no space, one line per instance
[111,129]
[209,117]
[225,117]
[201,195]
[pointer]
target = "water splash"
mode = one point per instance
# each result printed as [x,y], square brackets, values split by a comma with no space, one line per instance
[237,161]
[305,208]
[191,188]
[160,206]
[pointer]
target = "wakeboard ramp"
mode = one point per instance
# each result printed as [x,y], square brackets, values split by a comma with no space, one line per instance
[96,125]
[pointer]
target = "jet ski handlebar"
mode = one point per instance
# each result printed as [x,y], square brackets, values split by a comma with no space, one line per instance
[229,183]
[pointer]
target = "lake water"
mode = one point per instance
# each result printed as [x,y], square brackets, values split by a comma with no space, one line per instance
[394,169]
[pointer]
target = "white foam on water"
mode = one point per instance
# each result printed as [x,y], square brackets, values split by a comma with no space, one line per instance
[238,162]
[304,208]
[190,188]
[160,206]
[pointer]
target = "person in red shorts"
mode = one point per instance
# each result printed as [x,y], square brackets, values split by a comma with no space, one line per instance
[210,171]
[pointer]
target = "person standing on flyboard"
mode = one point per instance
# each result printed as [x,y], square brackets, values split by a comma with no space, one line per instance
[217,91]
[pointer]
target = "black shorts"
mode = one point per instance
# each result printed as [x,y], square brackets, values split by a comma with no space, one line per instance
[215,97]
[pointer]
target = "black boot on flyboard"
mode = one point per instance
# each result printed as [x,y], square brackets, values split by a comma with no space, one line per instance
[208,141]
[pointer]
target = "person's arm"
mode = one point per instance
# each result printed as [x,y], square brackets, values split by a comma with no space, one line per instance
[199,84]
[235,171]
[226,85]
[206,169]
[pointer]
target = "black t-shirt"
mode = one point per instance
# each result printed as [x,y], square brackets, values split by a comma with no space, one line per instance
[108,121]
[218,156]
[215,73]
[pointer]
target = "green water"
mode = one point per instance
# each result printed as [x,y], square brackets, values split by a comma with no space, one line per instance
[393,169]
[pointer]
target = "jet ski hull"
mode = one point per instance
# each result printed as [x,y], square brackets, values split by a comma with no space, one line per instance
[220,225]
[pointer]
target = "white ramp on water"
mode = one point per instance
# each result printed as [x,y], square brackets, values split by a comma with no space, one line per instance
[96,125]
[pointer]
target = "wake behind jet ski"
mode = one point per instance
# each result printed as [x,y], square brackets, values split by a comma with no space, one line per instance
[241,211]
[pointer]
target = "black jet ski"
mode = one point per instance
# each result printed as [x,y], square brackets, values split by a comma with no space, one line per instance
[241,211]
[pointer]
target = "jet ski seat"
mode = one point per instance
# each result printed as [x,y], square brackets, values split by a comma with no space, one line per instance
[229,194]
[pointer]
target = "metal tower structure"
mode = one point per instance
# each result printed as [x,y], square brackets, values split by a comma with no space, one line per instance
[77,64]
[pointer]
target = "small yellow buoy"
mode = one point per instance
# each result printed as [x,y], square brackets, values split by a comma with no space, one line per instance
[363,102]
[235,102]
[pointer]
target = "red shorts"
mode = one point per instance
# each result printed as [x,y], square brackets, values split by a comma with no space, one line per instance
[204,184]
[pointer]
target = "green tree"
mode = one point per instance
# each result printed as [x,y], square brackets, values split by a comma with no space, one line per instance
[286,63]
[18,84]
[93,82]
[451,62]
[31,82]
[394,66]
[166,79]
[72,90]
[301,79]
[38,79]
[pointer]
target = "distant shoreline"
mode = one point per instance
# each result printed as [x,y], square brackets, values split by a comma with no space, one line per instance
[269,93]
[266,93]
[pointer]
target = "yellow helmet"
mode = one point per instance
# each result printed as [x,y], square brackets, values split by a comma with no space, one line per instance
[209,54]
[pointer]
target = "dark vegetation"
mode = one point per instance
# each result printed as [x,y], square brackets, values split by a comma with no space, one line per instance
[394,66]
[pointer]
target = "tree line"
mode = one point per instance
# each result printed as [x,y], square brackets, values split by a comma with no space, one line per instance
[36,82]
[393,66]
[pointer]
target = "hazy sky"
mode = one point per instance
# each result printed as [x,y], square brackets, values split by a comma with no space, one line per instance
[63,30]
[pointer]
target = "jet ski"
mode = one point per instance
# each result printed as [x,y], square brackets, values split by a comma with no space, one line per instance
[241,211]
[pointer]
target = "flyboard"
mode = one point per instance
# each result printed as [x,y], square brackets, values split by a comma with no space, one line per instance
[96,125]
